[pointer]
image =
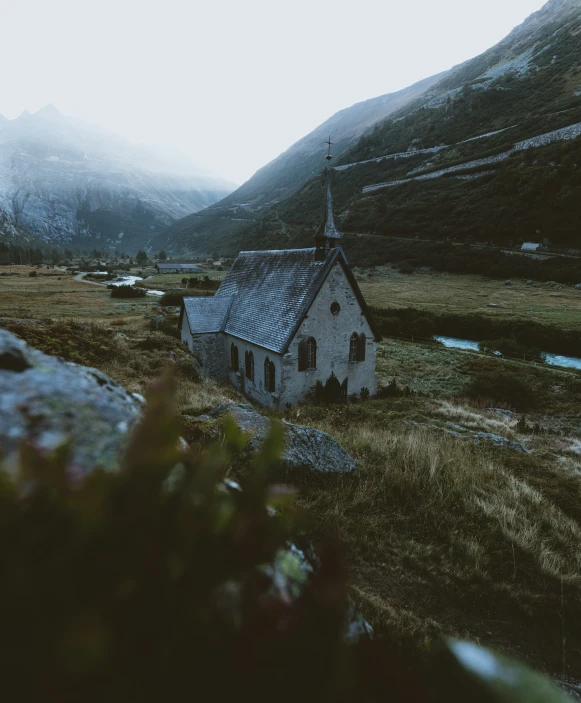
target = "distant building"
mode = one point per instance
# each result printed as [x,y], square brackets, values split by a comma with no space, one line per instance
[285,322]
[177,268]
[530,246]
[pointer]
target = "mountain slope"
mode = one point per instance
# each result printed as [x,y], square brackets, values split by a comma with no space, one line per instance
[66,181]
[489,153]
[291,170]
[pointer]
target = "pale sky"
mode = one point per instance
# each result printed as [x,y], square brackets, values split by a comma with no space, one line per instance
[231,83]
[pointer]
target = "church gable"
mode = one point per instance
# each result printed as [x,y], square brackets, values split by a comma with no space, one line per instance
[334,316]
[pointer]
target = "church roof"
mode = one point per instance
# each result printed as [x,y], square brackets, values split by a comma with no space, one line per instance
[272,291]
[206,314]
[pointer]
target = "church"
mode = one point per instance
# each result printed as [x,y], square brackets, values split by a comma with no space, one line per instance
[286,324]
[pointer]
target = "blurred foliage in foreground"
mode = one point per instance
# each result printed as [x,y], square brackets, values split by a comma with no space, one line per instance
[164,581]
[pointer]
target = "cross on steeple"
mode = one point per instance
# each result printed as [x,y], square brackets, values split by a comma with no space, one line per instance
[330,144]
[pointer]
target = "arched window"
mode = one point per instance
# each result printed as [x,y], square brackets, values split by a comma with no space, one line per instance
[269,375]
[234,362]
[353,346]
[249,365]
[308,354]
[357,345]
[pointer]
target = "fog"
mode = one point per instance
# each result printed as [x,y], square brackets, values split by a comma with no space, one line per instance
[231,84]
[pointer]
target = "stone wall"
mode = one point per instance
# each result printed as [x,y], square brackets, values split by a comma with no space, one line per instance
[332,334]
[254,389]
[210,350]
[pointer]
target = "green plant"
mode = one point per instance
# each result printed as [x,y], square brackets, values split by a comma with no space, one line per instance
[503,386]
[127,292]
[164,581]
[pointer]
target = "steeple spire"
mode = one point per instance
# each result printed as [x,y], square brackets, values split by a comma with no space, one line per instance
[327,235]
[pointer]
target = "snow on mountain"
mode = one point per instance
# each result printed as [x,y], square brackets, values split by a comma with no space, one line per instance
[67,181]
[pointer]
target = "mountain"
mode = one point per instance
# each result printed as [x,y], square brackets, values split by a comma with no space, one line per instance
[491,152]
[291,170]
[65,181]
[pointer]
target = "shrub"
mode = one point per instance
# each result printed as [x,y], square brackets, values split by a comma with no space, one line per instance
[511,349]
[504,387]
[161,582]
[32,274]
[172,297]
[127,292]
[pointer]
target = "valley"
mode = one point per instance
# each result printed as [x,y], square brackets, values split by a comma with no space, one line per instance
[442,521]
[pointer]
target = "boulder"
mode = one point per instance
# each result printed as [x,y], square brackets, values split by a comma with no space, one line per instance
[305,447]
[157,322]
[47,401]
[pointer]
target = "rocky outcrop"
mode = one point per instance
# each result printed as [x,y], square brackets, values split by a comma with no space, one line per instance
[47,401]
[305,447]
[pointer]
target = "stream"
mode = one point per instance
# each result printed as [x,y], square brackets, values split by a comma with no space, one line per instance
[571,362]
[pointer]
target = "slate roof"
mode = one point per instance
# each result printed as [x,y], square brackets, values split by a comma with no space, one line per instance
[206,314]
[272,291]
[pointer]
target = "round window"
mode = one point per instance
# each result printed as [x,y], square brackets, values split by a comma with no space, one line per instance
[335,308]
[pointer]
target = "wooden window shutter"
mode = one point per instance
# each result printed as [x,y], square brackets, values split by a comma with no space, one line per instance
[361,344]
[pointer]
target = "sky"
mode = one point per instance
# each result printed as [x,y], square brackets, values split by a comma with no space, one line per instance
[232,83]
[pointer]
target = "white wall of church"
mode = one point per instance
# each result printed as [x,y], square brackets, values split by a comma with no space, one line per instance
[255,389]
[332,334]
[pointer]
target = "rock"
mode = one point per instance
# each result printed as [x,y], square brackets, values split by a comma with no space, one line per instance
[493,305]
[157,322]
[305,447]
[47,401]
[508,283]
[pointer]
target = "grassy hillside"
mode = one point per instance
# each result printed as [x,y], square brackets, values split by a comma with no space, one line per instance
[484,111]
[443,534]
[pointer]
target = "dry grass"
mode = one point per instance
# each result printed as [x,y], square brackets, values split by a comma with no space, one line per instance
[450,293]
[471,418]
[442,536]
[447,537]
[46,296]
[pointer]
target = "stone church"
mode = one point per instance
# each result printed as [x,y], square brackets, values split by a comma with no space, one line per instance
[285,324]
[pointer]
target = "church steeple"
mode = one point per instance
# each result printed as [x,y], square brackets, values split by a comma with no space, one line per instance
[327,236]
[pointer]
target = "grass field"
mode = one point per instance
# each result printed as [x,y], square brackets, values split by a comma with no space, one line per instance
[60,296]
[442,535]
[386,288]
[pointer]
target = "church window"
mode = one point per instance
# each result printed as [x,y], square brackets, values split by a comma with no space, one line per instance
[249,365]
[357,345]
[234,361]
[307,354]
[335,308]
[269,375]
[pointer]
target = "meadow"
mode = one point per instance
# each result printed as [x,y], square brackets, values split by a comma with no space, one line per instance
[387,288]
[444,531]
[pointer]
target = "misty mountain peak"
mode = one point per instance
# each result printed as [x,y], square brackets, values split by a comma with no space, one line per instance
[48,112]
